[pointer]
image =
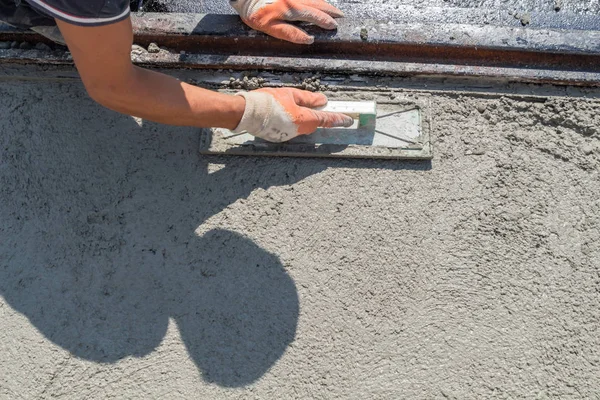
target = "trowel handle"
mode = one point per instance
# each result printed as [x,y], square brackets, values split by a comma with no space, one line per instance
[364,111]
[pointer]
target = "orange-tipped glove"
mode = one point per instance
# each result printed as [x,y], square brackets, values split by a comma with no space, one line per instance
[269,16]
[278,115]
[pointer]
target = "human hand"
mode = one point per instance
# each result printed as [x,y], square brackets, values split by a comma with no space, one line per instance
[278,115]
[269,16]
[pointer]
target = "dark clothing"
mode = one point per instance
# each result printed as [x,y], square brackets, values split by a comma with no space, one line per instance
[22,15]
[31,13]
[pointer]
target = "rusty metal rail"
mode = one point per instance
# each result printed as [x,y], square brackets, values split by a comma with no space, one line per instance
[511,53]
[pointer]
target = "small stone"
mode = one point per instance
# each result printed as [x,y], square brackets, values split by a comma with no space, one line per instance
[137,50]
[25,46]
[481,108]
[364,34]
[587,149]
[43,47]
[525,19]
[557,5]
[153,48]
[478,151]
[4,45]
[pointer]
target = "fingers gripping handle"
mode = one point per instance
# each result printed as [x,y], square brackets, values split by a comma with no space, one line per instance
[364,111]
[278,115]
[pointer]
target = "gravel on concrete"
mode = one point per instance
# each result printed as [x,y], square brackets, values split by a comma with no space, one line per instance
[132,267]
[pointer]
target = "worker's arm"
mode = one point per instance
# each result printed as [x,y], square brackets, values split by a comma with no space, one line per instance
[103,58]
[271,16]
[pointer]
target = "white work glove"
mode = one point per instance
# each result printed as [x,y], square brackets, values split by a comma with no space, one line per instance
[278,115]
[269,16]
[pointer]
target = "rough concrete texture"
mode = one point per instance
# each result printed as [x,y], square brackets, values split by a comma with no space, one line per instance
[132,267]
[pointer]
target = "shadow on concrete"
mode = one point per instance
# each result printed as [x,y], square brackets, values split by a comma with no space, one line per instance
[97,242]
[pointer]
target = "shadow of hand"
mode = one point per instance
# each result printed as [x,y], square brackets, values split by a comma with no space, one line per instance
[97,242]
[240,310]
[98,247]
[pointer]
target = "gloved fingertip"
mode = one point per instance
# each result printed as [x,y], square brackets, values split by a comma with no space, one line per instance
[320,99]
[330,24]
[344,122]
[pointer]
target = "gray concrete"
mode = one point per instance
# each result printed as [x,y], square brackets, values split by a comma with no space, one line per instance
[132,267]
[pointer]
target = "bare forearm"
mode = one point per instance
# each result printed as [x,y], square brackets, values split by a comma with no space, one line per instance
[164,99]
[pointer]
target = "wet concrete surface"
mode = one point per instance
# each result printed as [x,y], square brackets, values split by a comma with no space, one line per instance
[133,267]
